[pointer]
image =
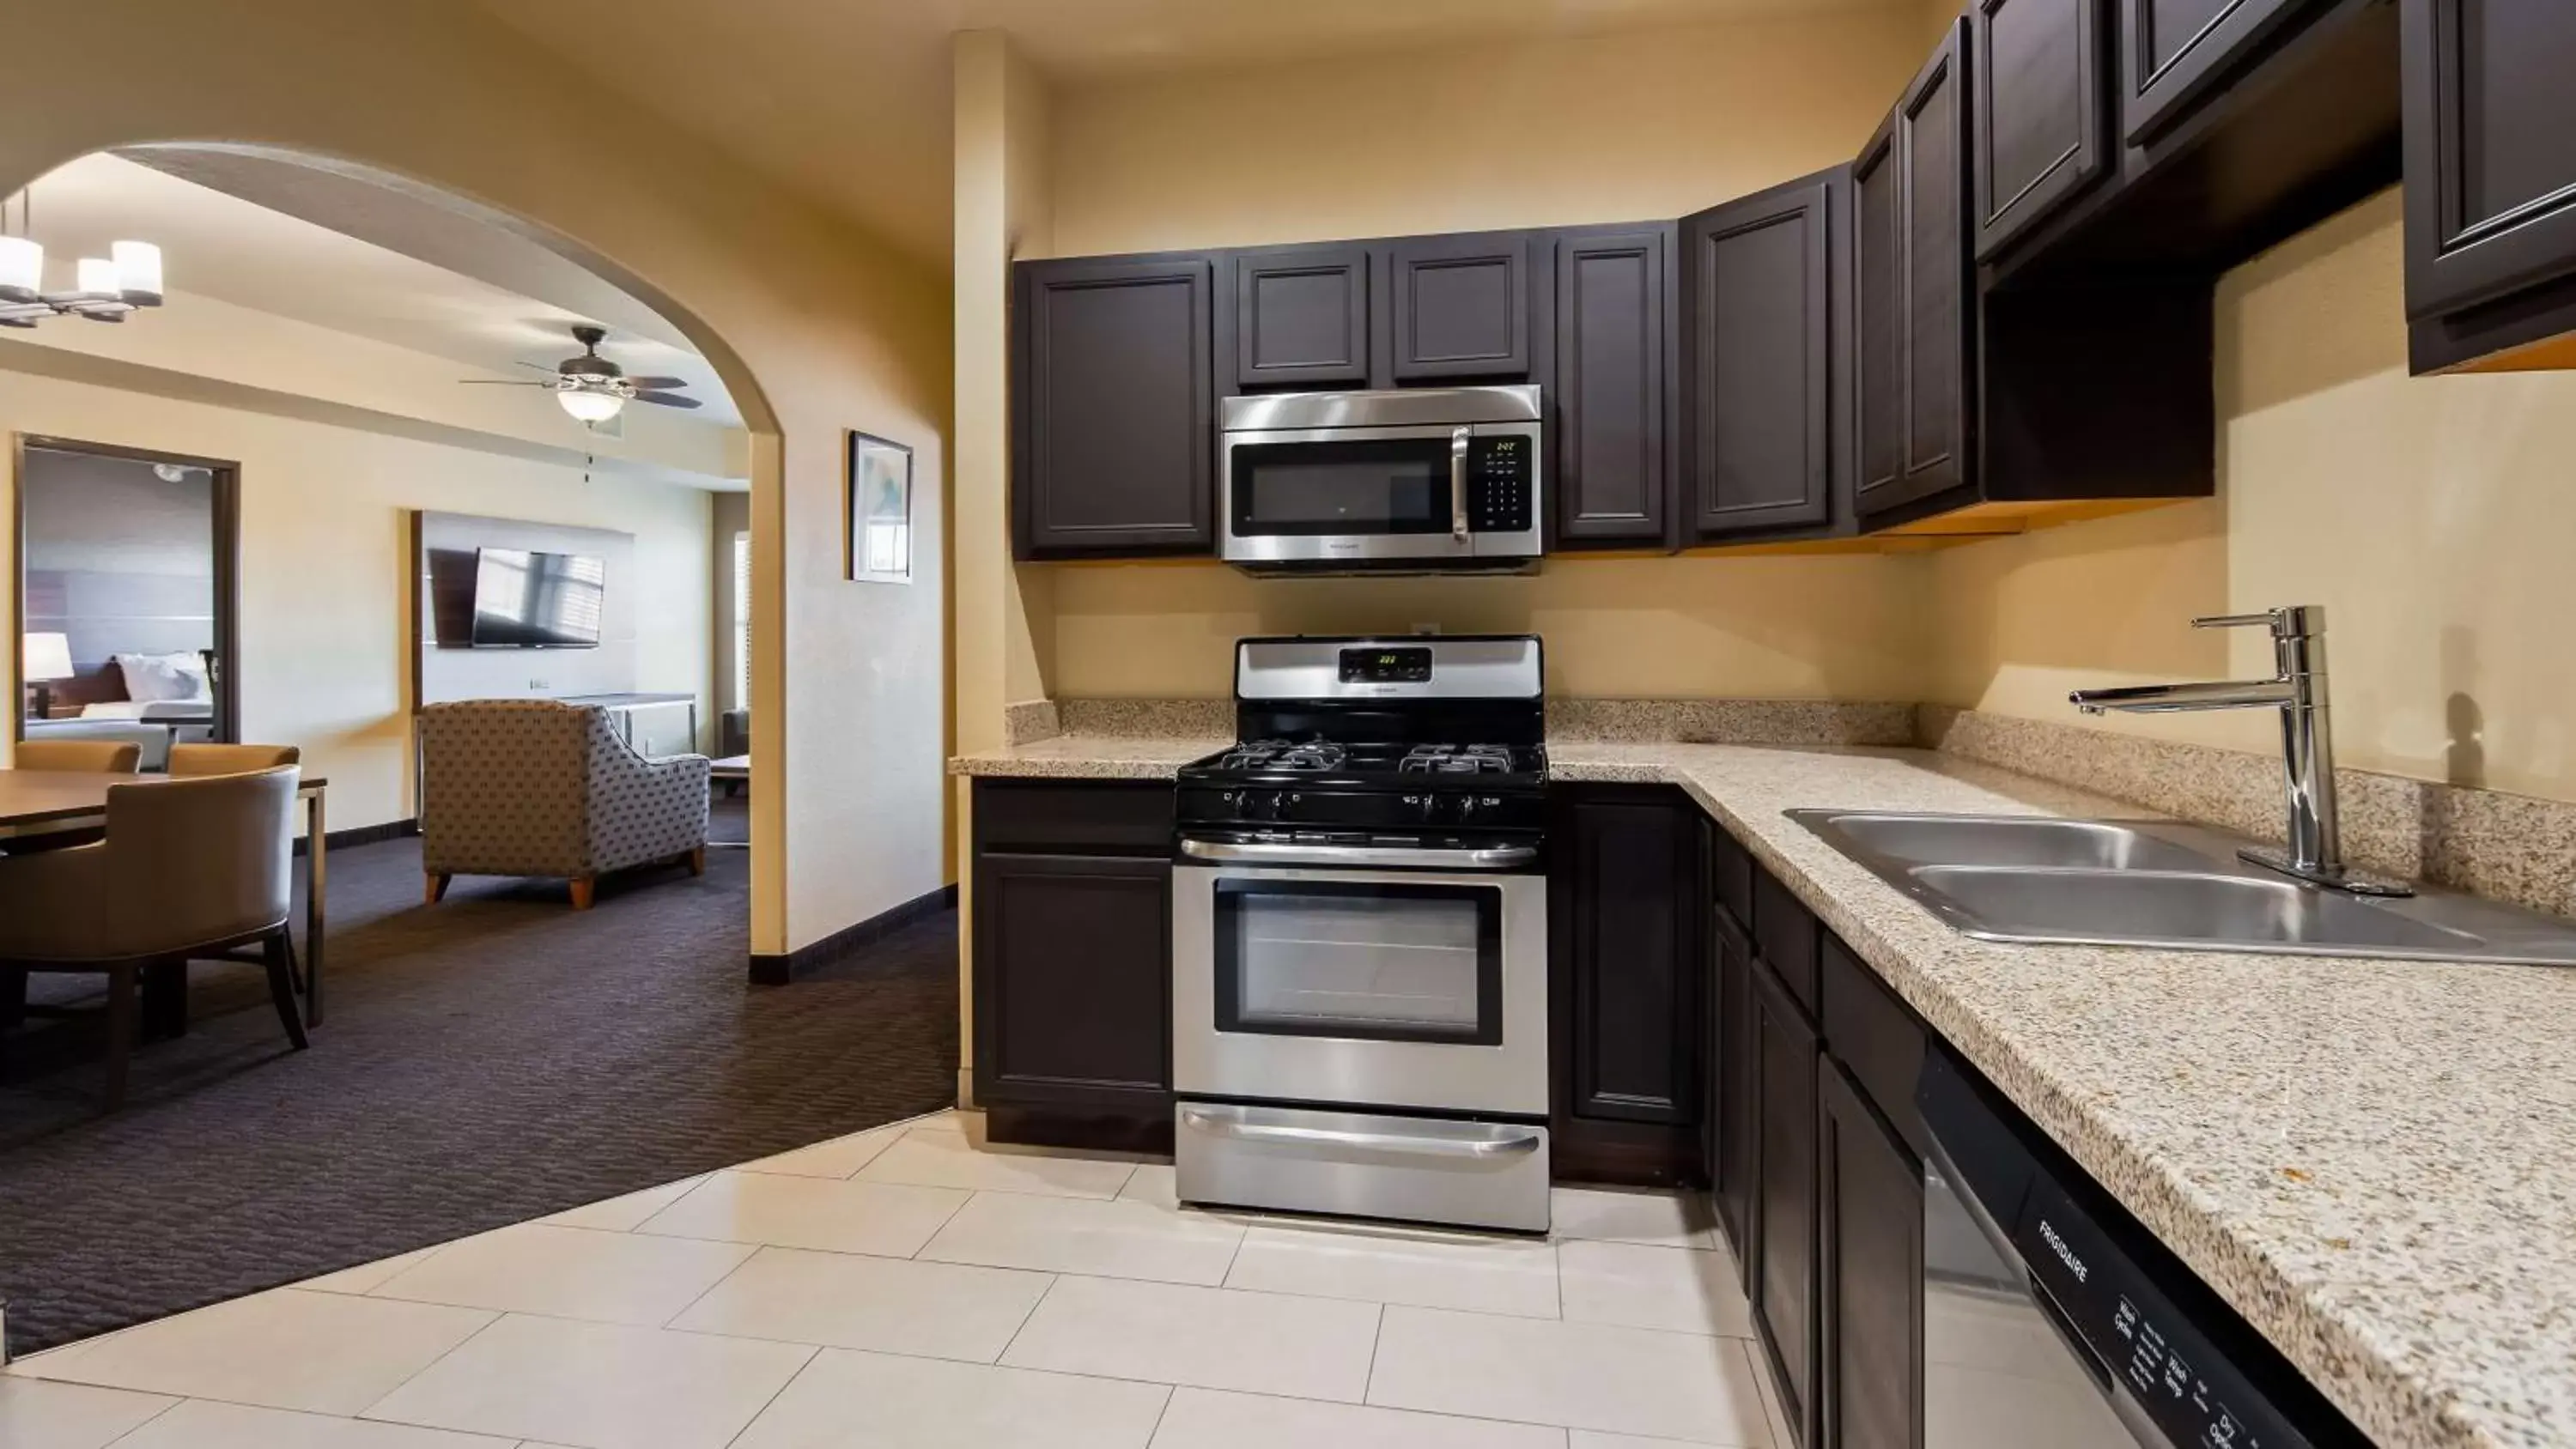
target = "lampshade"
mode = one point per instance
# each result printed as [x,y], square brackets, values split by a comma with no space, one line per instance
[96,277]
[138,271]
[591,407]
[22,269]
[48,656]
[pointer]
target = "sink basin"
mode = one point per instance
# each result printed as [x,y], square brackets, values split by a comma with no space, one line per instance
[2175,909]
[2012,840]
[2163,883]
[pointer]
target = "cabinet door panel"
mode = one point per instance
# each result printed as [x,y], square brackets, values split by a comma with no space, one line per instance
[1913,264]
[1459,307]
[1636,1028]
[1115,446]
[1762,338]
[2490,149]
[2043,132]
[1301,317]
[1611,323]
[1784,1285]
[1871,1234]
[2175,53]
[1073,981]
[1736,1124]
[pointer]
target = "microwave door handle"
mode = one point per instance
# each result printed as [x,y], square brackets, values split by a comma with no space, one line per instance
[1458,483]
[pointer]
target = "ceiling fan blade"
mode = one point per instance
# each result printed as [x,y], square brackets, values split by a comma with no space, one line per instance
[539,366]
[667,399]
[658,384]
[495,382]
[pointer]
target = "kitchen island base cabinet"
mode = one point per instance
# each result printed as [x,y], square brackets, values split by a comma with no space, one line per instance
[1072,963]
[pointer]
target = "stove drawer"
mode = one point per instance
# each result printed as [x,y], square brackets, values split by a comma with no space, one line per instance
[1359,1164]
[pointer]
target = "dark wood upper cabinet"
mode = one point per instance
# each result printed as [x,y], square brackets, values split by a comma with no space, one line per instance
[2490,159]
[2040,118]
[1113,440]
[1870,1240]
[1612,481]
[1915,370]
[1760,284]
[2175,53]
[1301,317]
[1458,307]
[1783,1286]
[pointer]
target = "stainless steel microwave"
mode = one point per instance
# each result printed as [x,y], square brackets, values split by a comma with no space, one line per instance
[1411,479]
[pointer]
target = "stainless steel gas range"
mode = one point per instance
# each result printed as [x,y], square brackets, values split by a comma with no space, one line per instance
[1359,936]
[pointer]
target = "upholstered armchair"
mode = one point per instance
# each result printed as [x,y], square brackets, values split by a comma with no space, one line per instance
[530,787]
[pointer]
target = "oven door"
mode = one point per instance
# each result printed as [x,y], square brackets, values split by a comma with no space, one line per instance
[1363,495]
[1321,983]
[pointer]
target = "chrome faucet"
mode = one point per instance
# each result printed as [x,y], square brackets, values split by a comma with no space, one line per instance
[2298,690]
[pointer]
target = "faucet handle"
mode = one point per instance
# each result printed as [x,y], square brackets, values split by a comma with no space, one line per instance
[2290,621]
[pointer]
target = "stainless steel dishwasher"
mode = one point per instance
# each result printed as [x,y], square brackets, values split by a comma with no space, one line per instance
[2052,1320]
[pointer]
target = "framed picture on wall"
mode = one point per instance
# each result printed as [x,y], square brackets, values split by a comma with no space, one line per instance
[879,550]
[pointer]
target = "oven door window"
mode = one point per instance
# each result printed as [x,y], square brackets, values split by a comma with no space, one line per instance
[1358,487]
[1376,962]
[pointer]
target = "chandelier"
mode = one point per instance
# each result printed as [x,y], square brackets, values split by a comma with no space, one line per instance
[104,289]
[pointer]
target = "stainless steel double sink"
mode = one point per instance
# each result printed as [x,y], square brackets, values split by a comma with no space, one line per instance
[2155,883]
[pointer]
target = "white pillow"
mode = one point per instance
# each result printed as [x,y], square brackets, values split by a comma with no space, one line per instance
[153,677]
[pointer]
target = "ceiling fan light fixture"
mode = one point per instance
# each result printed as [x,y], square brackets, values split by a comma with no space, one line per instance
[590,407]
[138,272]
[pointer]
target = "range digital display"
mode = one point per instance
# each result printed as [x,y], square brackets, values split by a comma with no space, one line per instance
[1404,664]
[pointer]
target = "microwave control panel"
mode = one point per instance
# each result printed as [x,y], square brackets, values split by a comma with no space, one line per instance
[1499,473]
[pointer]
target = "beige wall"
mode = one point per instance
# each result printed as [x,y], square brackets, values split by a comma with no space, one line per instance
[1536,133]
[815,327]
[1818,627]
[2431,516]
[325,564]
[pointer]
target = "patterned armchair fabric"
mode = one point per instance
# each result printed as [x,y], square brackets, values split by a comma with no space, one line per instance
[535,788]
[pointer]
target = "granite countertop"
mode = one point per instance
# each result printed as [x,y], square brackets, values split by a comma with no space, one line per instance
[1092,757]
[2373,1161]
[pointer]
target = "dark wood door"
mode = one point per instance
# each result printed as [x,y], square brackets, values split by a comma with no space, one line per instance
[1458,307]
[1871,1237]
[2040,114]
[1613,477]
[1783,1288]
[1733,1059]
[1762,338]
[1629,873]
[1300,317]
[2490,148]
[2174,54]
[1072,971]
[1916,338]
[1113,448]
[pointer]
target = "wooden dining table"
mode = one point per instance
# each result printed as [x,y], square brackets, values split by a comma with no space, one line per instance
[42,802]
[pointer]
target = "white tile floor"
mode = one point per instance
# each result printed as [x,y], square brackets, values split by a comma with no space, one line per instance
[914,1287]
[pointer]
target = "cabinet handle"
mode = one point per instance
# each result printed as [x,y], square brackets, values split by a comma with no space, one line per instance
[1520,1146]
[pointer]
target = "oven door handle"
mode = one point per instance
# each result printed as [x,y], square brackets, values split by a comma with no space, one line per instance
[1458,483]
[1516,1146]
[1328,857]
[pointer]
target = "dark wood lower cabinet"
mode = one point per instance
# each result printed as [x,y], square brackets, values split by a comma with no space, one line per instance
[1783,1286]
[1733,1125]
[1870,1240]
[1627,967]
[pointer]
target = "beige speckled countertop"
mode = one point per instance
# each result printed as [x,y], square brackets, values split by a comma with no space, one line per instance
[1092,757]
[2373,1161]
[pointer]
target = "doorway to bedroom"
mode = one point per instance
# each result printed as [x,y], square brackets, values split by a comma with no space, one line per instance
[126,581]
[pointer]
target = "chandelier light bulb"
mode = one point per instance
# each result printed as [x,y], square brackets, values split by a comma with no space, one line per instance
[591,407]
[138,272]
[22,269]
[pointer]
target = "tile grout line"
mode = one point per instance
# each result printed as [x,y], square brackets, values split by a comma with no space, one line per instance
[810,1356]
[1377,1336]
[1052,1281]
[408,1378]
[147,1419]
[728,1276]
[1170,1392]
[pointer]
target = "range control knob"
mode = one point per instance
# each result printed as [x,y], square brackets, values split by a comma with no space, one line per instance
[1422,804]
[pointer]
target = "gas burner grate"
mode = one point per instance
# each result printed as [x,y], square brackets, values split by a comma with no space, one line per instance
[1312,757]
[1457,760]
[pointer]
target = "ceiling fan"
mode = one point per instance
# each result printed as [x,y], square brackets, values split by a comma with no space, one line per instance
[594,389]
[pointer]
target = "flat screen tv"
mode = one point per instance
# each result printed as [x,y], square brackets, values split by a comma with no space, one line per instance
[528,600]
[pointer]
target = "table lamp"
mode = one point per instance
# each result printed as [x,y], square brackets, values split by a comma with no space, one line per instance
[46,657]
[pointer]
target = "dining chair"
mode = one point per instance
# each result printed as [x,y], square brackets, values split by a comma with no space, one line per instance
[97,757]
[191,869]
[197,761]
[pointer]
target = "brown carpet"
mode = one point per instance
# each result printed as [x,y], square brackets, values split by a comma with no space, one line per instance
[494,1058]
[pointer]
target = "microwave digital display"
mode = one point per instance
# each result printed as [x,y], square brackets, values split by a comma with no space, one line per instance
[1408,664]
